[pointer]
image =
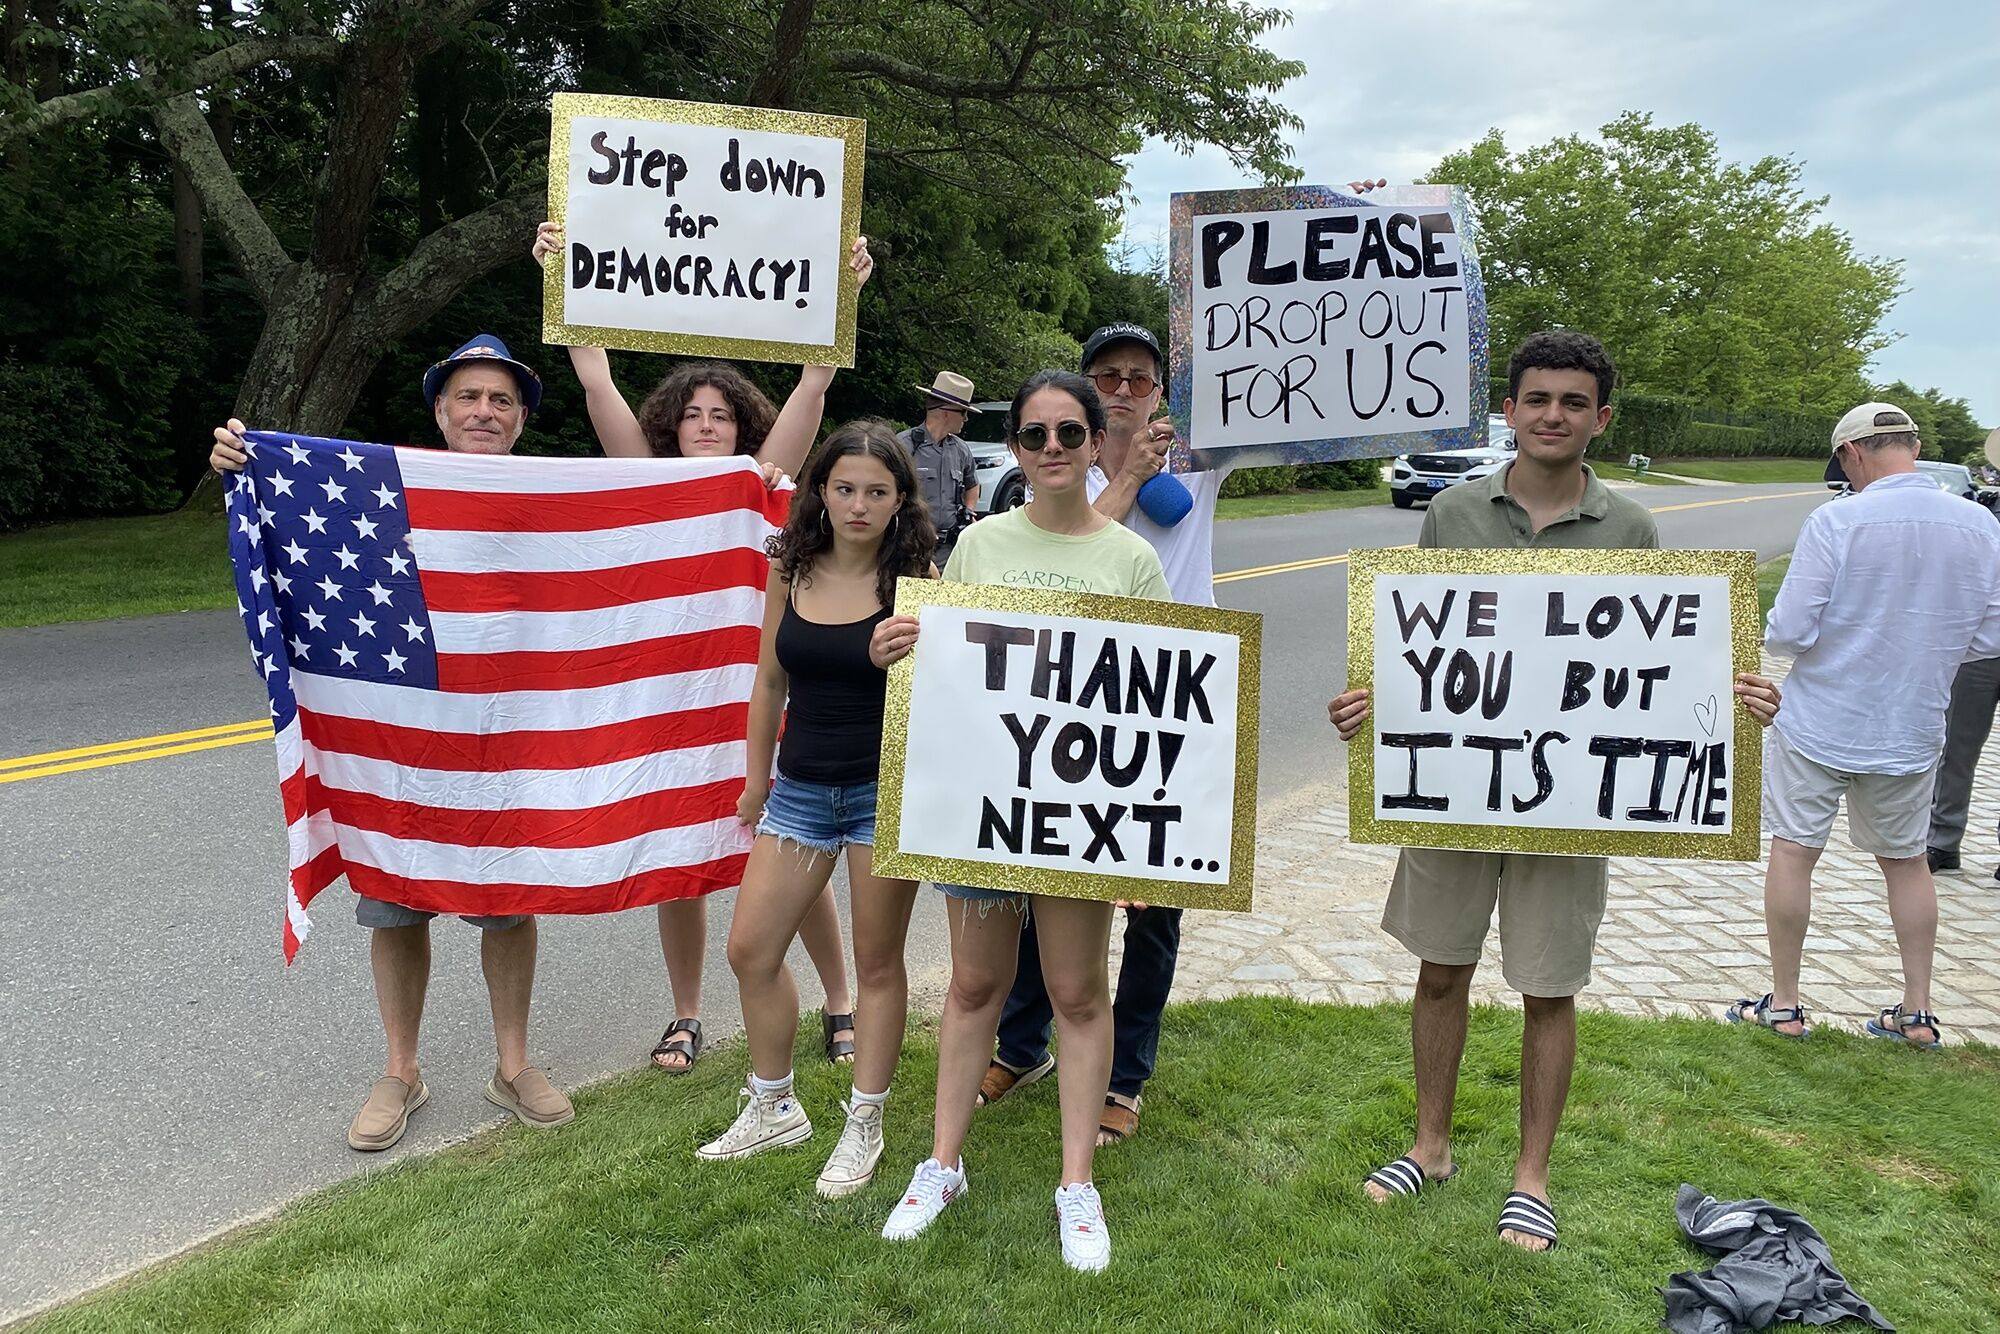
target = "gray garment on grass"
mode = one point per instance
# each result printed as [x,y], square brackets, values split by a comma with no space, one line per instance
[1775,1266]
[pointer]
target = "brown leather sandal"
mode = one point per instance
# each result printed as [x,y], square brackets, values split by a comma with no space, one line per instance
[838,1052]
[1116,1122]
[682,1039]
[1001,1079]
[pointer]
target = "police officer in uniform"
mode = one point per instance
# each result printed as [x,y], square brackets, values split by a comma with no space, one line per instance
[946,472]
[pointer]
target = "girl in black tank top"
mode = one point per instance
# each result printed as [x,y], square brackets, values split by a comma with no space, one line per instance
[833,713]
[857,525]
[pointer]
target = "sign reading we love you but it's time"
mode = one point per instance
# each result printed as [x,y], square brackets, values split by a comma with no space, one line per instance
[1574,702]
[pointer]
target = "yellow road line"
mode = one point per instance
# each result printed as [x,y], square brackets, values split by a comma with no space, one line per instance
[1259,571]
[1736,500]
[263,733]
[139,743]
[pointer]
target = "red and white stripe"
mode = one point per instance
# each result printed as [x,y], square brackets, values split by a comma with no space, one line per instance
[596,624]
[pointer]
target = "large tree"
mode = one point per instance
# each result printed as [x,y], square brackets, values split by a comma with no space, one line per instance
[386,155]
[1706,278]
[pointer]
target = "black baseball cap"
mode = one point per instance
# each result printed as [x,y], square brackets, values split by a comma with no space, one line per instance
[1122,333]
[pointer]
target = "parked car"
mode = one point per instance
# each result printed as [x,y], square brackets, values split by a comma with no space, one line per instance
[1002,485]
[1415,478]
[1953,478]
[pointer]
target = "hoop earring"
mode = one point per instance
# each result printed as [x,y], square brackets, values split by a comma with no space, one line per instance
[825,524]
[890,526]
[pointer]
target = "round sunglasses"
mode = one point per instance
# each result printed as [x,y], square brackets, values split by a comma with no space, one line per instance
[1107,383]
[1035,436]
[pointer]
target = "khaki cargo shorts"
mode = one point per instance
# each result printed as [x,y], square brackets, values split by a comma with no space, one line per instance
[1441,906]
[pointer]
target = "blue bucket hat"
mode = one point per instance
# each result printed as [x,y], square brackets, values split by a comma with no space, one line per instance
[483,348]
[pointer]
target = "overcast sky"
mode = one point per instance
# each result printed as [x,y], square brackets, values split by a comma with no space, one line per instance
[1892,109]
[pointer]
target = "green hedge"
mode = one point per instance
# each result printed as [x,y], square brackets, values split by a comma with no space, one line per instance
[1663,426]
[1647,424]
[1719,440]
[60,452]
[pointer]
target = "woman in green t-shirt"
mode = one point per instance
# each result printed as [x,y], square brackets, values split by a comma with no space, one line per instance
[1056,541]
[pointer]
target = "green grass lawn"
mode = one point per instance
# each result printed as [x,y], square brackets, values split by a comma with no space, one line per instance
[1299,502]
[1237,1206]
[97,568]
[1769,575]
[1746,470]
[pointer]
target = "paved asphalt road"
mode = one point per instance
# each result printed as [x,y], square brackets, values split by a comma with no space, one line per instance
[168,1078]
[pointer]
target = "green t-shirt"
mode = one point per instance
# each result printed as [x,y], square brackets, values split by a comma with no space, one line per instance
[1482,514]
[1008,549]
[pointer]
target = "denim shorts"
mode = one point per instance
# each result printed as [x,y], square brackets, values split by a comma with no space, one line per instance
[985,900]
[820,817]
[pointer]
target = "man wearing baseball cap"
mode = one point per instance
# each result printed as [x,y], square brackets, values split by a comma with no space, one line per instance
[1889,590]
[480,398]
[947,474]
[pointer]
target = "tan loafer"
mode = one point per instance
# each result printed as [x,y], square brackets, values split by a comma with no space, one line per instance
[386,1115]
[531,1097]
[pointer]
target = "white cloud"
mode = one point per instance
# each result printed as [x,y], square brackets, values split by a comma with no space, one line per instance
[1892,113]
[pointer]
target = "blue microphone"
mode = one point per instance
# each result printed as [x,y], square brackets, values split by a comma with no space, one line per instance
[1165,499]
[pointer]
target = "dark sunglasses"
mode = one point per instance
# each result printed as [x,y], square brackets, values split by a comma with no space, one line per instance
[1035,436]
[1107,382]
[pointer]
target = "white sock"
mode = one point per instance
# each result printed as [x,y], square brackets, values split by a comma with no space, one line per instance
[771,1089]
[859,1100]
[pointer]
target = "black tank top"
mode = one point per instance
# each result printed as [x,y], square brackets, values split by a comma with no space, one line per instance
[833,721]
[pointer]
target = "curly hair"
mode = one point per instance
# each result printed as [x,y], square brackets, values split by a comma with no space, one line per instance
[1562,350]
[911,537]
[660,414]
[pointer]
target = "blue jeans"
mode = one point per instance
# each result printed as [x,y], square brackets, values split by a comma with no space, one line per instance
[820,817]
[1152,946]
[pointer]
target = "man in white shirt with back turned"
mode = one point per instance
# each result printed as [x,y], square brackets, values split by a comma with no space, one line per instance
[1889,590]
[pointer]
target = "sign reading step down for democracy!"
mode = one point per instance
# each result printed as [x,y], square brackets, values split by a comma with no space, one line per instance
[703,230]
[1310,324]
[1071,744]
[1576,702]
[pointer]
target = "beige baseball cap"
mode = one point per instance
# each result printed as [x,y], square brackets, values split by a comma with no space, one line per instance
[1860,423]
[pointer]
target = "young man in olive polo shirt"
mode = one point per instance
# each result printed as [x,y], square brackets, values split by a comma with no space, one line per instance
[1440,903]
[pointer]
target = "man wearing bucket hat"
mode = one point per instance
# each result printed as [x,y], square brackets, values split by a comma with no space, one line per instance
[1889,591]
[480,398]
[947,474]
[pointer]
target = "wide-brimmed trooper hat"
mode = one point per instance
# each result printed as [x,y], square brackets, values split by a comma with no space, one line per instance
[483,348]
[951,389]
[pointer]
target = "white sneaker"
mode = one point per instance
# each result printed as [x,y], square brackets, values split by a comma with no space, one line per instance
[763,1123]
[852,1165]
[1086,1241]
[931,1189]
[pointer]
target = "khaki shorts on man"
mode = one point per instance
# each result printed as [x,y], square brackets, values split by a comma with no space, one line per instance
[1441,906]
[1888,815]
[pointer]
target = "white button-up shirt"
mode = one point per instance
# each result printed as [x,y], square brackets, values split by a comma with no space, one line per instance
[1889,590]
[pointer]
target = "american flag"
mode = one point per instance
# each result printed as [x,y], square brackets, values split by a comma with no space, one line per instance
[503,685]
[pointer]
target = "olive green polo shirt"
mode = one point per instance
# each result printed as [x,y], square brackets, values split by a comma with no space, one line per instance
[1482,514]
